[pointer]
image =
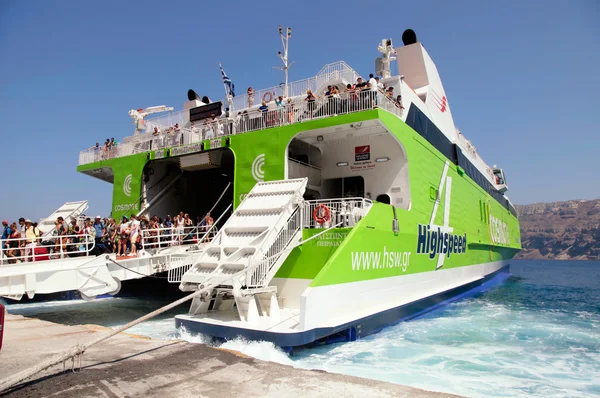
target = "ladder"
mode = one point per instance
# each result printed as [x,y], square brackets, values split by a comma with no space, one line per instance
[251,245]
[67,211]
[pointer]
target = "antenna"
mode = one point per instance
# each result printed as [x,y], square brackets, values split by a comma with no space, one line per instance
[382,65]
[284,57]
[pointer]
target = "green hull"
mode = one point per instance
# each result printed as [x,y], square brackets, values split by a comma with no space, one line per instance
[479,228]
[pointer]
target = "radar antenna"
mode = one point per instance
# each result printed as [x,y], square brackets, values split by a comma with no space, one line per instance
[284,57]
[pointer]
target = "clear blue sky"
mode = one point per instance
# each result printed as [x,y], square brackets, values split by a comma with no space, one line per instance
[521,77]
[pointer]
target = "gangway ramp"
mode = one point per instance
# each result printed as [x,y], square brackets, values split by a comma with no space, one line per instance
[89,275]
[251,245]
[66,211]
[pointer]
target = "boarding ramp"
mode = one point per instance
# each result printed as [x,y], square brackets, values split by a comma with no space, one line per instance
[67,211]
[89,275]
[250,247]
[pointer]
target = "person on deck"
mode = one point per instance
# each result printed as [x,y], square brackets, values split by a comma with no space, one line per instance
[31,234]
[123,237]
[100,230]
[134,232]
[5,235]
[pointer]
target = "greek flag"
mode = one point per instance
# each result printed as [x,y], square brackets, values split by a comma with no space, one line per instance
[227,82]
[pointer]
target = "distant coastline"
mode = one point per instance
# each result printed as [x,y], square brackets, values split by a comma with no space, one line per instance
[568,230]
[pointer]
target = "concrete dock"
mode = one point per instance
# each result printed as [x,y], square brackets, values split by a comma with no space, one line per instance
[134,366]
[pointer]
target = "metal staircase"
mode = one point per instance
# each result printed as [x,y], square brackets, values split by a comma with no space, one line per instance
[67,211]
[249,249]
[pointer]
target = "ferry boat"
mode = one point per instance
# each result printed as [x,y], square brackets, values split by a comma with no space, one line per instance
[337,215]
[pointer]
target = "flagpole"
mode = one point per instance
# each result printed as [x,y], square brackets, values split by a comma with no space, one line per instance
[227,94]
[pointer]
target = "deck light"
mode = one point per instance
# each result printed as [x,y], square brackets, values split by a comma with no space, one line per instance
[379,160]
[319,138]
[342,164]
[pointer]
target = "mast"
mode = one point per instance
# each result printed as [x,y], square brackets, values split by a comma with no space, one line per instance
[284,57]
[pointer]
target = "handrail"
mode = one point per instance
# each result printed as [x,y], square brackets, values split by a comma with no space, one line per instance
[216,222]
[249,119]
[153,238]
[61,241]
[283,238]
[253,267]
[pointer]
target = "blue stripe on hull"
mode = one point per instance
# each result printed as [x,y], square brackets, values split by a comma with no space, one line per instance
[352,330]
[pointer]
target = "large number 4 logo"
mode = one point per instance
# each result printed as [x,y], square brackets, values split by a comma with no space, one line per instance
[445,182]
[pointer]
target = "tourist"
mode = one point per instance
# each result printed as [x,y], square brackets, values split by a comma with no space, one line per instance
[134,233]
[111,234]
[5,234]
[99,230]
[13,243]
[310,102]
[123,237]
[179,227]
[250,93]
[31,234]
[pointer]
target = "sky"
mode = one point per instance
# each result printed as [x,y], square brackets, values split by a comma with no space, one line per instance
[521,78]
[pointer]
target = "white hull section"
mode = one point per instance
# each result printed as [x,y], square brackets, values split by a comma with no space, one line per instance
[329,306]
[91,276]
[332,307]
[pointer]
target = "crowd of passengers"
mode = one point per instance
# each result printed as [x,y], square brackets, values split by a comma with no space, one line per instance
[24,242]
[278,110]
[274,111]
[105,151]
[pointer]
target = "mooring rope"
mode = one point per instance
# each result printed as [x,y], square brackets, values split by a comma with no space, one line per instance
[79,349]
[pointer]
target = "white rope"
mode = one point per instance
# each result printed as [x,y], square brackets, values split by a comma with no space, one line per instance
[79,349]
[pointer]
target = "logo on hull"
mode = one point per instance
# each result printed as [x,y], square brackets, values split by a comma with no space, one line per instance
[434,241]
[257,168]
[362,153]
[127,185]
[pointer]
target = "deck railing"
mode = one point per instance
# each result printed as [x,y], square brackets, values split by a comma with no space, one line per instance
[15,250]
[294,110]
[347,211]
[154,238]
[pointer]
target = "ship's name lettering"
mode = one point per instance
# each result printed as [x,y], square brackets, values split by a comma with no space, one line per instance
[331,239]
[499,231]
[433,241]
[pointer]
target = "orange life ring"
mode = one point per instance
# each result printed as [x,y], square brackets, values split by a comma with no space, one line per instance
[267,94]
[321,214]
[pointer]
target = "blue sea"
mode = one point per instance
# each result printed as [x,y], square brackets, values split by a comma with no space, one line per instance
[537,334]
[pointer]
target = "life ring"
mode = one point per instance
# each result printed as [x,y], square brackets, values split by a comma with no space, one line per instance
[268,97]
[322,214]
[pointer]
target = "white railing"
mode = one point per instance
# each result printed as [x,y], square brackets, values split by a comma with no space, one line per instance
[331,72]
[294,111]
[155,238]
[53,247]
[258,273]
[166,121]
[175,274]
[343,212]
[347,211]
[120,150]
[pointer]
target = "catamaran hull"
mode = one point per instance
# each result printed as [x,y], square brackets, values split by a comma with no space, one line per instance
[473,282]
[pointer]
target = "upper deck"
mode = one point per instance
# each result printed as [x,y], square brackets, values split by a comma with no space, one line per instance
[174,129]
[245,116]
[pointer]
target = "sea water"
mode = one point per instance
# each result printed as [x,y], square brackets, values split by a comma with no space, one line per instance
[537,334]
